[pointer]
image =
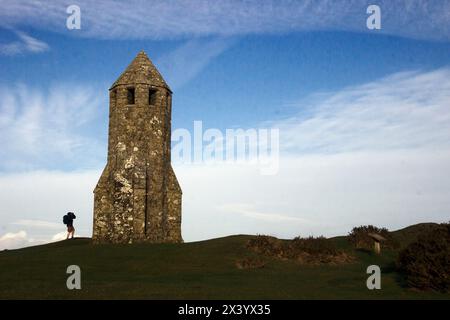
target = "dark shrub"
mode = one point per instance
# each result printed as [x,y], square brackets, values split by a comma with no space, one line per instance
[426,262]
[305,250]
[311,245]
[359,237]
[266,245]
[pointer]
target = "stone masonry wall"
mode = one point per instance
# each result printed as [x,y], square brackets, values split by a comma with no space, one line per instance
[138,197]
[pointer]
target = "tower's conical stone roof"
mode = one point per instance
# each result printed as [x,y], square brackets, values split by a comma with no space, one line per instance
[141,71]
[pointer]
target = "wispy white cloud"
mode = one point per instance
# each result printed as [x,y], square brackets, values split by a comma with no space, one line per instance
[188,60]
[20,239]
[46,126]
[32,44]
[249,210]
[24,44]
[37,224]
[14,240]
[409,110]
[59,236]
[168,19]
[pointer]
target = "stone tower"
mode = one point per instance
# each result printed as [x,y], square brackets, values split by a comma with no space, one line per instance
[138,198]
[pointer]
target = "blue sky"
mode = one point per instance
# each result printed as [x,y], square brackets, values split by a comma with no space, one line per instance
[342,96]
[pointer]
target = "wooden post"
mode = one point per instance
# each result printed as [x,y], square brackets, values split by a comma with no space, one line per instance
[377,247]
[377,241]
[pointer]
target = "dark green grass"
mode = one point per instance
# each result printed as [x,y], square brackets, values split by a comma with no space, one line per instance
[200,270]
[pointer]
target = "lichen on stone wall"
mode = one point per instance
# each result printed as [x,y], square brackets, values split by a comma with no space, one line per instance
[126,185]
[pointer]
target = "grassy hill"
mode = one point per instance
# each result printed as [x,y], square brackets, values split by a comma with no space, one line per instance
[199,270]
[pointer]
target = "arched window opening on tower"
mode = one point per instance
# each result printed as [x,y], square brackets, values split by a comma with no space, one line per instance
[130,95]
[152,96]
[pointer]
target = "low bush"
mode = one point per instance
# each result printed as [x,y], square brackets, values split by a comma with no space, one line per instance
[266,245]
[311,245]
[426,262]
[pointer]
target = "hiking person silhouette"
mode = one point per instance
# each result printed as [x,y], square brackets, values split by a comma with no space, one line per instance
[68,220]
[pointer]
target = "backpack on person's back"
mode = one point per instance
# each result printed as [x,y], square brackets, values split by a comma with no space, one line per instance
[68,218]
[68,221]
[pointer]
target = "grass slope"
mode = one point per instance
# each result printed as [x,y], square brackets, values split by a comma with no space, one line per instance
[199,270]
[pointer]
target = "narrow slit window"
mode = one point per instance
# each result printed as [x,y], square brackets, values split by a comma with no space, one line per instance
[168,102]
[130,95]
[152,96]
[113,97]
